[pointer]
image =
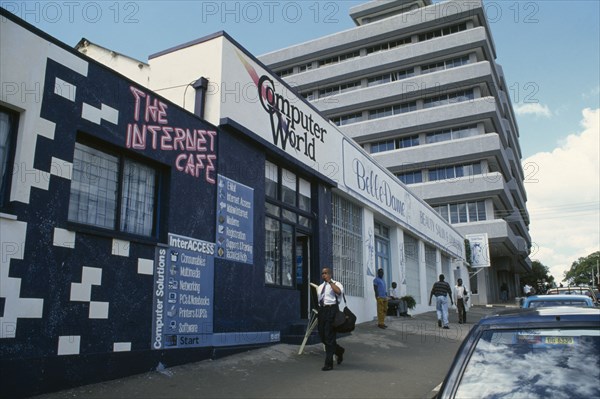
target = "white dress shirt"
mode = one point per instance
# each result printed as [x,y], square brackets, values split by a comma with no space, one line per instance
[328,297]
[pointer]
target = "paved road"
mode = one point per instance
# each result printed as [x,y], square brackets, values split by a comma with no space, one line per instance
[408,360]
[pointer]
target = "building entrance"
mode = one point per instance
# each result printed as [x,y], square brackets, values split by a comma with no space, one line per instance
[303,272]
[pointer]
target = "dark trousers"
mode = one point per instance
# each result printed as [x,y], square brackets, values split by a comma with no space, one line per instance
[462,312]
[328,334]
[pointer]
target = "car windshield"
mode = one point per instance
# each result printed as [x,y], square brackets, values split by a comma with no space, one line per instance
[541,363]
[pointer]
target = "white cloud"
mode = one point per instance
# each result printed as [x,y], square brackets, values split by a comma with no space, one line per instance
[535,109]
[593,93]
[563,190]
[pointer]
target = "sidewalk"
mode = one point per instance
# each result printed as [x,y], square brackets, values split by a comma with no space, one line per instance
[407,360]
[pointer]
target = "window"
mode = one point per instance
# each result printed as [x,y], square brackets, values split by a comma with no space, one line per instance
[305,67]
[387,46]
[339,58]
[347,245]
[8,127]
[390,77]
[285,72]
[451,134]
[452,172]
[406,142]
[381,113]
[443,32]
[410,177]
[450,98]
[382,146]
[338,89]
[347,119]
[288,208]
[392,110]
[447,64]
[112,192]
[466,212]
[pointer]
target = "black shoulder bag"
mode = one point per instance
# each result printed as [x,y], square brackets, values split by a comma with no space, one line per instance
[345,320]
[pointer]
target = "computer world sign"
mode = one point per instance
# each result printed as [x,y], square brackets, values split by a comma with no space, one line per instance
[271,109]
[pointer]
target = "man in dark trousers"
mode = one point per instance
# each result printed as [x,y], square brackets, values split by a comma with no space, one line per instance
[461,299]
[442,291]
[329,293]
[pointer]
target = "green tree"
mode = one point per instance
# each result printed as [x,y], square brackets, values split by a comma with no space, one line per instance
[582,269]
[538,276]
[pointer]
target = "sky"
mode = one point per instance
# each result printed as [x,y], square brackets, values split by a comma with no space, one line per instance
[549,51]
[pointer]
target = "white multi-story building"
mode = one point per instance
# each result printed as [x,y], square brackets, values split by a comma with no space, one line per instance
[417,85]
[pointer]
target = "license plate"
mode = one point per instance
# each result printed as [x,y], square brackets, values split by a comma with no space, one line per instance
[559,340]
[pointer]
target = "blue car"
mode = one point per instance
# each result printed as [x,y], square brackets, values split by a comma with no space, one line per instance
[551,352]
[538,301]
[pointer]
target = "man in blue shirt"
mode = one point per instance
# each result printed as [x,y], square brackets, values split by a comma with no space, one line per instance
[381,297]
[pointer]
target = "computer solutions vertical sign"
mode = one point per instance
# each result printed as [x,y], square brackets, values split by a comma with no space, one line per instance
[183,294]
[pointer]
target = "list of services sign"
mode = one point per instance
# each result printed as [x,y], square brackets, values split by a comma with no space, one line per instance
[183,293]
[235,220]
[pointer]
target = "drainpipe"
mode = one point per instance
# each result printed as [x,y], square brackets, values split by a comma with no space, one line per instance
[200,86]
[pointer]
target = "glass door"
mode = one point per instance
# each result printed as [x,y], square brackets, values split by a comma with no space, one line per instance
[302,272]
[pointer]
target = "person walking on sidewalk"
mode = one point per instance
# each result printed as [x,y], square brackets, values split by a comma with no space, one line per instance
[329,293]
[381,297]
[441,290]
[461,300]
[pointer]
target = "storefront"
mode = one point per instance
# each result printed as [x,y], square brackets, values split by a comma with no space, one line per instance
[139,234]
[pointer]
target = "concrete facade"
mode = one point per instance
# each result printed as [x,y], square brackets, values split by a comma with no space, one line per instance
[416,85]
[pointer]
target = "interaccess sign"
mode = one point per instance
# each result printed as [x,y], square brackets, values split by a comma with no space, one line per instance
[183,294]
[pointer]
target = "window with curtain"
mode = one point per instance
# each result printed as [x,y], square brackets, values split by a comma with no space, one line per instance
[112,191]
[8,123]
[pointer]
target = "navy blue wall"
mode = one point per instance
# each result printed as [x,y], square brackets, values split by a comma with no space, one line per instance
[242,300]
[29,361]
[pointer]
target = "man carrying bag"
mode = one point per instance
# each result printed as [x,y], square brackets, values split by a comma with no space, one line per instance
[329,292]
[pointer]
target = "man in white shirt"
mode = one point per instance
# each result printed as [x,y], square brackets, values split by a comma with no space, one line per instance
[329,293]
[461,293]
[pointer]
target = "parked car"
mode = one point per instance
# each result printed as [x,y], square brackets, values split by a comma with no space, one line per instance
[573,291]
[551,352]
[538,301]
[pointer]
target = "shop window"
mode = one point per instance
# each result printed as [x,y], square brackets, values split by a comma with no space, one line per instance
[288,208]
[8,128]
[111,191]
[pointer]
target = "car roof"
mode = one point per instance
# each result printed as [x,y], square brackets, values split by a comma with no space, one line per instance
[558,297]
[569,289]
[560,314]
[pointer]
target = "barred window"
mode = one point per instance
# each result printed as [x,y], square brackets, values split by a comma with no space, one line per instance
[411,257]
[348,245]
[430,265]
